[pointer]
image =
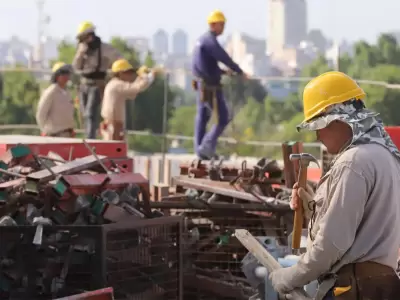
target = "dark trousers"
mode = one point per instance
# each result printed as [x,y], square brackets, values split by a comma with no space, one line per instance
[90,101]
[329,296]
[208,141]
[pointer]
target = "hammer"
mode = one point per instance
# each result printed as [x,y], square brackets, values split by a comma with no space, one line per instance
[304,160]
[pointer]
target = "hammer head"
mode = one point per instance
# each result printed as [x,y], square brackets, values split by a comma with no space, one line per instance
[304,158]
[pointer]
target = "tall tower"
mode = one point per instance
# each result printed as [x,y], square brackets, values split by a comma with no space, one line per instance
[287,24]
[180,42]
[42,22]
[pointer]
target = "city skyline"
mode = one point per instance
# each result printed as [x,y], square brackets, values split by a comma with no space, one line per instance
[123,19]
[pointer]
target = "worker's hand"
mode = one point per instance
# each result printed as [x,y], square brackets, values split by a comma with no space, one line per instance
[82,48]
[245,76]
[280,280]
[303,196]
[157,70]
[229,72]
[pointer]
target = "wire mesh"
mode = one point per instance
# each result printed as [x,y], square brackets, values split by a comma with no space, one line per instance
[213,255]
[141,259]
[144,262]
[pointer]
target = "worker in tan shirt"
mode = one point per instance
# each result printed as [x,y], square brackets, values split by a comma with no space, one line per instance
[121,87]
[55,110]
[354,214]
[92,60]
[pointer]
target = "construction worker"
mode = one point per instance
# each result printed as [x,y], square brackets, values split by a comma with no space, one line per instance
[55,110]
[92,60]
[121,87]
[207,83]
[355,212]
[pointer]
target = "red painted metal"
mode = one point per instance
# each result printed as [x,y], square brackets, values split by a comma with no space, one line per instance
[126,164]
[85,183]
[103,294]
[394,133]
[62,146]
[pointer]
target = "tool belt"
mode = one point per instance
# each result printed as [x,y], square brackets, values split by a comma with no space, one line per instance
[63,133]
[208,91]
[112,130]
[95,75]
[367,280]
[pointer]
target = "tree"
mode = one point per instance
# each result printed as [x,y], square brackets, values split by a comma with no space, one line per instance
[66,52]
[238,90]
[21,95]
[128,52]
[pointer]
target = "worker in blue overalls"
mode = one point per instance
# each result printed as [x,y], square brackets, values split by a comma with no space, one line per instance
[207,84]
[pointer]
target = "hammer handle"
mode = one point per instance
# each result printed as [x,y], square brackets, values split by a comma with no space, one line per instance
[299,212]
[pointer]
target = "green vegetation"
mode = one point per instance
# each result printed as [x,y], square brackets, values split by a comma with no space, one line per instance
[272,120]
[257,115]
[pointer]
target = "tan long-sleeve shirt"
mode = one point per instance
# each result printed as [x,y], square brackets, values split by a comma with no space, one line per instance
[356,218]
[55,110]
[84,63]
[117,92]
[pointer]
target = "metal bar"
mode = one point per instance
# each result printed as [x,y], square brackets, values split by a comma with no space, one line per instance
[266,259]
[74,166]
[164,128]
[218,187]
[166,203]
[168,136]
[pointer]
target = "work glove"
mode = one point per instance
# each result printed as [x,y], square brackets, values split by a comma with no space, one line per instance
[142,70]
[157,70]
[281,279]
[306,197]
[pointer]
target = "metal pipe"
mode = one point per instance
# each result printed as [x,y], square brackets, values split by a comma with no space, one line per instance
[164,128]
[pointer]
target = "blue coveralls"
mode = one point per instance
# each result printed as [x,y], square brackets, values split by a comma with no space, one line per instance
[206,55]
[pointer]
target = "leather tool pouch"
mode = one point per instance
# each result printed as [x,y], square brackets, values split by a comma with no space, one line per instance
[195,85]
[369,281]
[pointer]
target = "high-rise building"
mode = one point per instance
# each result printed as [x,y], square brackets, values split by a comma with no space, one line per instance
[180,42]
[160,43]
[287,24]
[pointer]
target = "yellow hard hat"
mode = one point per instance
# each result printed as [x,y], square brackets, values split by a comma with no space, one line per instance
[142,70]
[216,16]
[121,65]
[60,66]
[85,27]
[327,89]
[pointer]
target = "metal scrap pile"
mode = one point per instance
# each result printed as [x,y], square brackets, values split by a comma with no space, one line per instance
[215,199]
[48,249]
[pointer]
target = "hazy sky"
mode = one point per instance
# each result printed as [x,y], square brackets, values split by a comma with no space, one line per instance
[339,19]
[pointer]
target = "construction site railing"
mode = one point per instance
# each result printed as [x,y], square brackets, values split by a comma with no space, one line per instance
[228,140]
[267,78]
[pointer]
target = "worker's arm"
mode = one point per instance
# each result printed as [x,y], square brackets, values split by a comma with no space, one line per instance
[131,89]
[348,194]
[77,62]
[220,55]
[43,108]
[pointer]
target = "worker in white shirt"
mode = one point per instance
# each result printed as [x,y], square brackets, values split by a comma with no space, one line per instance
[55,110]
[125,84]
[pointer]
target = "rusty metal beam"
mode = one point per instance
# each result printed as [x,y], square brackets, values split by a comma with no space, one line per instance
[74,166]
[225,189]
[180,202]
